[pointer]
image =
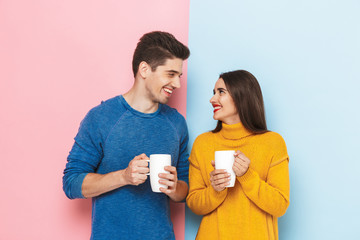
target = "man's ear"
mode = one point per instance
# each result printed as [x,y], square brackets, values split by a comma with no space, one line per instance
[144,69]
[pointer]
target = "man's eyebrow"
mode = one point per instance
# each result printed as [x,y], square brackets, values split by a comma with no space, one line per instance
[174,71]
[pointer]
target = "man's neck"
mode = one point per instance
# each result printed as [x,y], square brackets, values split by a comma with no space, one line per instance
[138,99]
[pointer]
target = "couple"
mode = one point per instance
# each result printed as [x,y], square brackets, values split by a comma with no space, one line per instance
[108,159]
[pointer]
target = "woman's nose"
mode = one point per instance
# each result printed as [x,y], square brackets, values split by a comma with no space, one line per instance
[213,99]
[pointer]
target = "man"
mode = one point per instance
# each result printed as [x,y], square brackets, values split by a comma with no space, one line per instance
[108,159]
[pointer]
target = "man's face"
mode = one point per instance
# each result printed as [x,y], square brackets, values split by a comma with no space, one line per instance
[161,83]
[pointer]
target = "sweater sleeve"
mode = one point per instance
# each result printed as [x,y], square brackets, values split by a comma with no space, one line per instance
[83,158]
[183,163]
[202,198]
[272,195]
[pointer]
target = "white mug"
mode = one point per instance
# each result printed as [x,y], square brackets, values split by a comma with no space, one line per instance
[157,164]
[225,160]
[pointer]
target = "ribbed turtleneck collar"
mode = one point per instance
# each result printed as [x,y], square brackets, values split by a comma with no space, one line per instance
[234,131]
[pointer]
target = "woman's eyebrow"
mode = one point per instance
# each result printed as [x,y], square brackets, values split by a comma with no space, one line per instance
[221,89]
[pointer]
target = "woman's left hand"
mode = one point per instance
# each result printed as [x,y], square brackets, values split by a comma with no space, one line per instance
[241,163]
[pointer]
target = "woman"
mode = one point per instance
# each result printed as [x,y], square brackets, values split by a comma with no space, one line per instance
[250,209]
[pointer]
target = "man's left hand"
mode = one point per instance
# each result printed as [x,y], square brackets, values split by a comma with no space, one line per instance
[169,179]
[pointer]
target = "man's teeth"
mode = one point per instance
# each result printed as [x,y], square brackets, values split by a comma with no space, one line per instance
[167,90]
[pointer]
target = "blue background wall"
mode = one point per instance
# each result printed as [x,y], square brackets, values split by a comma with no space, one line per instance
[306,56]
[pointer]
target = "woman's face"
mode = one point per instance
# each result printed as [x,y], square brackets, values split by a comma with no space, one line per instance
[224,106]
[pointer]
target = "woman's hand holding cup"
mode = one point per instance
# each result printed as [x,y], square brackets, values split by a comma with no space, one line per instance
[241,163]
[219,178]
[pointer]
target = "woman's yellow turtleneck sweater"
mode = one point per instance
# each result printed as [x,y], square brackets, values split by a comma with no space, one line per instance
[250,209]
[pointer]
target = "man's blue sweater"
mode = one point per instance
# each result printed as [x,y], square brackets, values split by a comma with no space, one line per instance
[109,137]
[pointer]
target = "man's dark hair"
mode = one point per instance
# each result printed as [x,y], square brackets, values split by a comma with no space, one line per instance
[246,94]
[155,48]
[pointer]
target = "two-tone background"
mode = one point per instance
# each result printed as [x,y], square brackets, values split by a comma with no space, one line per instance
[58,59]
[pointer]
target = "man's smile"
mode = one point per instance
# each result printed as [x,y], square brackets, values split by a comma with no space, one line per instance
[168,91]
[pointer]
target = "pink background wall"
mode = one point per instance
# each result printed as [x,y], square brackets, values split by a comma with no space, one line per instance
[58,59]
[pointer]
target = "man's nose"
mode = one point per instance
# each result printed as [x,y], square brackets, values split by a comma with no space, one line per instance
[176,83]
